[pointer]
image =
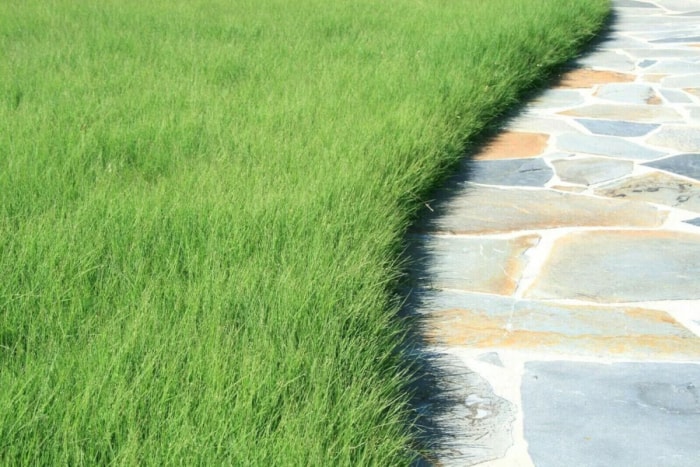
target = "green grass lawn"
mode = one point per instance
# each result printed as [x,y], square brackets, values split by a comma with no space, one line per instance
[202,206]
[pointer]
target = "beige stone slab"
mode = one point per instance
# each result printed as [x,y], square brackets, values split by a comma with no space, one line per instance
[629,112]
[658,188]
[487,210]
[586,78]
[514,145]
[573,330]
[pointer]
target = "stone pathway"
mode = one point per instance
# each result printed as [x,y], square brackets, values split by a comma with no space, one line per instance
[561,278]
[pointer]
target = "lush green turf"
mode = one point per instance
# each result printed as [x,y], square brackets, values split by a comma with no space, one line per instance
[201,211]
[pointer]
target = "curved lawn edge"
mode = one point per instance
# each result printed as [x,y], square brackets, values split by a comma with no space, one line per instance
[204,207]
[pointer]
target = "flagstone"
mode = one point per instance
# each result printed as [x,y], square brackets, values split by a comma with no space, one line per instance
[675,97]
[687,165]
[511,172]
[679,39]
[647,53]
[658,188]
[621,266]
[481,321]
[678,137]
[694,113]
[633,4]
[591,170]
[686,81]
[617,127]
[630,93]
[605,146]
[585,78]
[514,144]
[530,123]
[635,113]
[479,420]
[675,66]
[607,59]
[594,414]
[554,98]
[482,209]
[485,265]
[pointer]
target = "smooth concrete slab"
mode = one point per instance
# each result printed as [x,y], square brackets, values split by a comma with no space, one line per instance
[591,170]
[480,209]
[605,146]
[625,414]
[478,321]
[476,264]
[658,188]
[511,172]
[621,266]
[687,165]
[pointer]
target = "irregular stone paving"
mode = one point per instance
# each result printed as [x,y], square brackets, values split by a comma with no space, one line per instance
[560,280]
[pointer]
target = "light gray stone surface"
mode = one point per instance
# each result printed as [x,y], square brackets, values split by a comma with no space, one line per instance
[626,414]
[606,146]
[591,170]
[687,165]
[490,210]
[622,266]
[677,137]
[616,127]
[511,172]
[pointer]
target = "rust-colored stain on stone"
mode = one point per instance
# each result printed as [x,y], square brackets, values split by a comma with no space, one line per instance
[584,78]
[513,268]
[654,100]
[514,145]
[475,329]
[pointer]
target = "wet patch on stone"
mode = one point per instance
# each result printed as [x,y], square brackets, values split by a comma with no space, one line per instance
[513,144]
[586,78]
[687,165]
[616,127]
[681,138]
[621,266]
[477,264]
[635,113]
[511,172]
[490,210]
[643,414]
[591,170]
[489,322]
[605,146]
[656,188]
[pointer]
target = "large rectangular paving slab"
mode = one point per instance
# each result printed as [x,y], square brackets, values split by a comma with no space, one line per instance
[620,332]
[625,414]
[483,209]
[621,266]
